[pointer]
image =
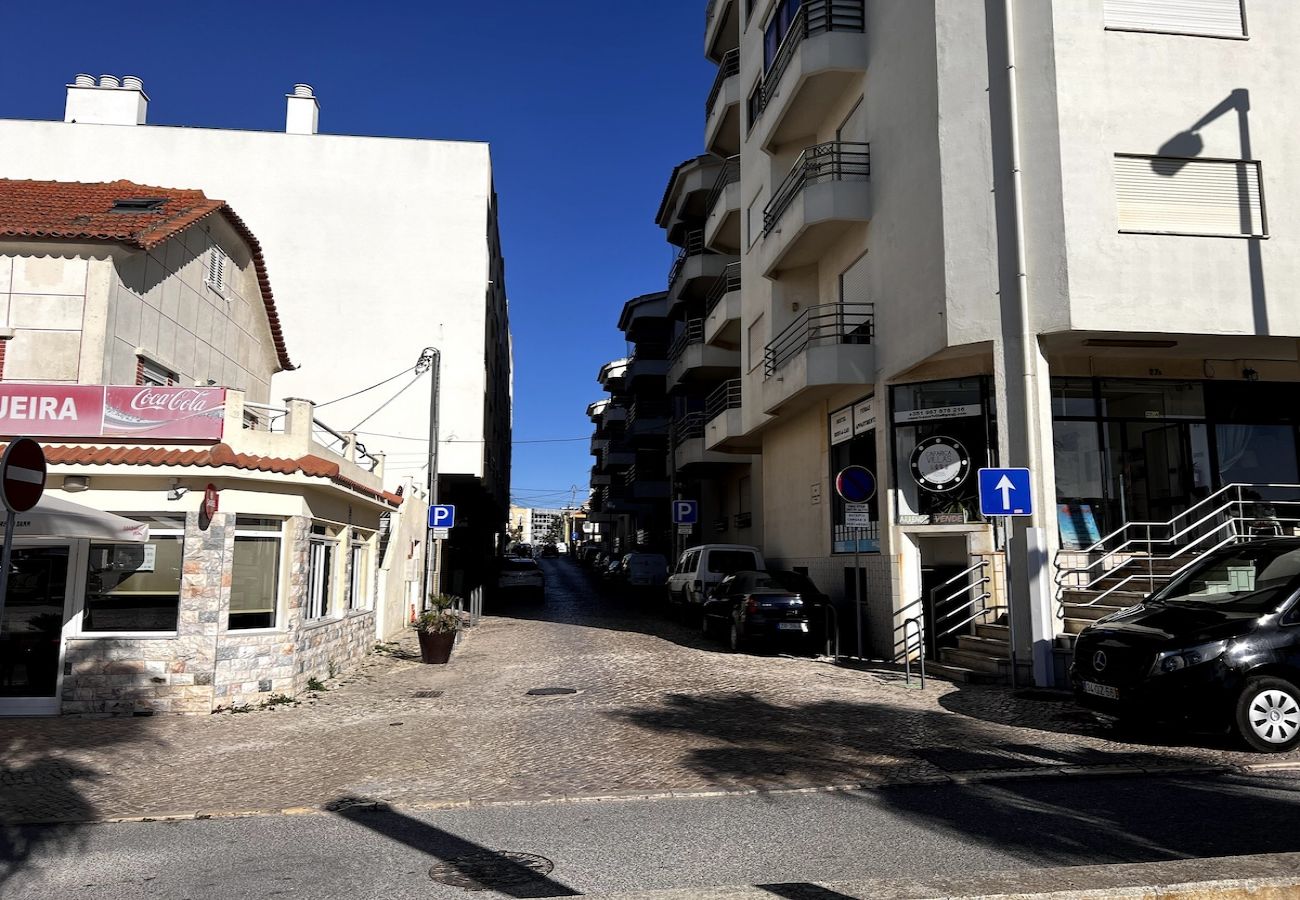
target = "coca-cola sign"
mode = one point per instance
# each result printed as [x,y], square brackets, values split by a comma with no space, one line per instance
[139,412]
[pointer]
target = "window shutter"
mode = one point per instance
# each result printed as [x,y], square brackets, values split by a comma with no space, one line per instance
[854,286]
[1189,196]
[1220,18]
[217,269]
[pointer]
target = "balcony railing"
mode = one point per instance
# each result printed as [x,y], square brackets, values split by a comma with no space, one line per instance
[693,333]
[729,66]
[743,519]
[814,17]
[690,425]
[730,174]
[730,281]
[646,409]
[832,161]
[724,397]
[694,246]
[829,323]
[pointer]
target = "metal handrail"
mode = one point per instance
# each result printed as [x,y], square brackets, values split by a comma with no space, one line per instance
[729,67]
[907,649]
[828,323]
[831,161]
[724,397]
[730,281]
[691,425]
[693,333]
[941,627]
[693,246]
[729,174]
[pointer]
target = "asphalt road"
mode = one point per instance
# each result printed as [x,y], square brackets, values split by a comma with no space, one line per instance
[599,847]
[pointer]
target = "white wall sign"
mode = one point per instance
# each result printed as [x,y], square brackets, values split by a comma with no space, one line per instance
[842,425]
[857,515]
[864,416]
[937,412]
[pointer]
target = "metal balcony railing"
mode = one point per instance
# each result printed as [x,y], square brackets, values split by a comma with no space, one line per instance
[690,425]
[693,333]
[814,17]
[729,67]
[724,397]
[694,246]
[730,281]
[832,161]
[829,323]
[730,174]
[646,409]
[743,519]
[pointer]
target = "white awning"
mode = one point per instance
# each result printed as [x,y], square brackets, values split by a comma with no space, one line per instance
[56,517]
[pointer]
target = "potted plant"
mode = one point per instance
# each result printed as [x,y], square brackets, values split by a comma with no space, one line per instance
[437,628]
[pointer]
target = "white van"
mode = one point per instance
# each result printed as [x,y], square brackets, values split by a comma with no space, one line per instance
[701,568]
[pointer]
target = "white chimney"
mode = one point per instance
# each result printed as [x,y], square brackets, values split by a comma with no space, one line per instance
[113,101]
[303,111]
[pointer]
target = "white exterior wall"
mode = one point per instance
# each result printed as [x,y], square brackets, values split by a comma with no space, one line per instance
[376,248]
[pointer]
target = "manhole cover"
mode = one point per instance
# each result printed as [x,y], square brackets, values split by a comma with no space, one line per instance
[551,691]
[428,695]
[491,870]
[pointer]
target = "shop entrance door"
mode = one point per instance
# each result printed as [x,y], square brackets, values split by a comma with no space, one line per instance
[1163,468]
[31,630]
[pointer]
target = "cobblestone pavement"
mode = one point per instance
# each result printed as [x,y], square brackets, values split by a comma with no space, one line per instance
[658,708]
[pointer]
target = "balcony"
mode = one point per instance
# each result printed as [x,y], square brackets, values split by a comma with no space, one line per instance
[643,370]
[599,445]
[724,430]
[617,455]
[825,194]
[721,28]
[682,207]
[722,228]
[825,348]
[612,374]
[613,413]
[691,359]
[692,272]
[647,417]
[722,108]
[599,478]
[688,444]
[821,55]
[642,318]
[646,485]
[722,309]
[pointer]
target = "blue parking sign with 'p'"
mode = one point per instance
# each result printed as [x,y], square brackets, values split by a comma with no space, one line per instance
[685,512]
[442,516]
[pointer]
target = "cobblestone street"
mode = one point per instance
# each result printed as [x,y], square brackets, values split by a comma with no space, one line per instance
[657,709]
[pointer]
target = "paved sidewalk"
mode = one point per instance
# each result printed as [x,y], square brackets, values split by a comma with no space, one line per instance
[658,709]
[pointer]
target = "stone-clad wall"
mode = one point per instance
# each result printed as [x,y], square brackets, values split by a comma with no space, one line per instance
[205,667]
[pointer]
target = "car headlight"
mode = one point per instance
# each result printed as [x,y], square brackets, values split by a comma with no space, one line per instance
[1173,660]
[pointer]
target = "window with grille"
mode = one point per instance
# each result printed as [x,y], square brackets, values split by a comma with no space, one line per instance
[1172,195]
[150,372]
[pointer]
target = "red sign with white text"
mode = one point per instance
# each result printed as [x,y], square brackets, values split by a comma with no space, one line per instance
[91,411]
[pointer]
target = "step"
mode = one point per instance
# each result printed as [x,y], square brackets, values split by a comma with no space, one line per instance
[1094,612]
[1066,641]
[959,674]
[1121,599]
[1074,625]
[972,659]
[996,632]
[997,647]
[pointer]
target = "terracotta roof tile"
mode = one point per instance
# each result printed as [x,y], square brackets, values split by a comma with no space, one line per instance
[213,457]
[73,210]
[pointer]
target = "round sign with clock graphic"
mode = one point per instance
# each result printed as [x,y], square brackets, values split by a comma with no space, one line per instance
[940,463]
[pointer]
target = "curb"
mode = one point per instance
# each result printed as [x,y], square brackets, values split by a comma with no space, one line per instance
[963,778]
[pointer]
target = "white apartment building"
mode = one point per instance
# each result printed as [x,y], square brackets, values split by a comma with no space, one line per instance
[381,247]
[913,174]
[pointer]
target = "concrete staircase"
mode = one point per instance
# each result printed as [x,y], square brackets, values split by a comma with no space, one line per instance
[983,657]
[1082,606]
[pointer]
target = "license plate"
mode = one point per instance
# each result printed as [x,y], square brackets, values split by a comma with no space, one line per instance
[1101,690]
[792,626]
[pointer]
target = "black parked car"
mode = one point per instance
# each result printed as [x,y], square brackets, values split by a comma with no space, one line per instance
[771,607]
[1219,645]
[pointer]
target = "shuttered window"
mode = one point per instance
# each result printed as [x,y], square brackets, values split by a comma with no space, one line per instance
[1189,196]
[1216,18]
[853,282]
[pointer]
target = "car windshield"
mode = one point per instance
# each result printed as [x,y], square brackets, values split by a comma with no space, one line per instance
[728,561]
[1248,579]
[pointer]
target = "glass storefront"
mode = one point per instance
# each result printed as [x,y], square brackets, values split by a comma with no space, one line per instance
[1132,451]
[943,432]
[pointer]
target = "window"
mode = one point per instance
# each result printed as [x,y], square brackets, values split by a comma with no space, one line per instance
[255,573]
[1212,18]
[1170,195]
[138,205]
[776,29]
[320,571]
[136,587]
[150,372]
[754,350]
[754,105]
[217,270]
[359,572]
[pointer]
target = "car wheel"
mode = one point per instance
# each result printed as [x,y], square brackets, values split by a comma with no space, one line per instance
[737,642]
[1268,714]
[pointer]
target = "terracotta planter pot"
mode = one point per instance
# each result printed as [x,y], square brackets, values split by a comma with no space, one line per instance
[436,648]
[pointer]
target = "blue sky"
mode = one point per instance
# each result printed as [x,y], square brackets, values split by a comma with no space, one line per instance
[587,105]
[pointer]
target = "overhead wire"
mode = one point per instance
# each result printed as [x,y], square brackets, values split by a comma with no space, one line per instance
[365,389]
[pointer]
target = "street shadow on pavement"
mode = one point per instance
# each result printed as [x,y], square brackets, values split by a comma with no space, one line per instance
[459,862]
[1054,818]
[39,783]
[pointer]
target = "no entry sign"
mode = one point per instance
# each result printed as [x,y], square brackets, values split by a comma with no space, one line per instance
[22,475]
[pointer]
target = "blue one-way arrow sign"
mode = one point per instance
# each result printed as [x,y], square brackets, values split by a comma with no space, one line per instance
[1005,492]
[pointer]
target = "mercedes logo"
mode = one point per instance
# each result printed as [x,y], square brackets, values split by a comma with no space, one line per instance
[1099,660]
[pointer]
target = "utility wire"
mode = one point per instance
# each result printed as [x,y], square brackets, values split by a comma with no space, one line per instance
[399,437]
[364,389]
[386,402]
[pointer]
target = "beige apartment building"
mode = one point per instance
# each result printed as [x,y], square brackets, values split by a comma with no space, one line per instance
[1050,234]
[197,547]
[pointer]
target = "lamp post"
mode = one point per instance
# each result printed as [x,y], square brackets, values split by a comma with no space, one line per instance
[431,361]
